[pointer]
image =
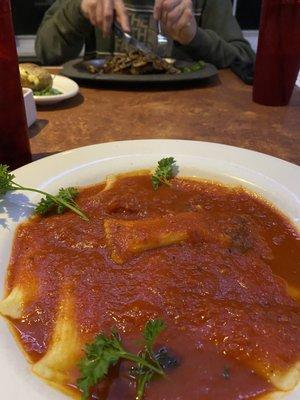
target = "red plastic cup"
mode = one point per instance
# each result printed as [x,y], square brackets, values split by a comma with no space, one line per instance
[278,54]
[14,142]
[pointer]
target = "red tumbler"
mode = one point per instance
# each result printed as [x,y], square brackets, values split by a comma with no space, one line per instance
[14,142]
[278,54]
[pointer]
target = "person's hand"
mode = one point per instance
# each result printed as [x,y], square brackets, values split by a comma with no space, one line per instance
[101,14]
[177,19]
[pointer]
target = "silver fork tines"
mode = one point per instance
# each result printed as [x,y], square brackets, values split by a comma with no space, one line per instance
[162,42]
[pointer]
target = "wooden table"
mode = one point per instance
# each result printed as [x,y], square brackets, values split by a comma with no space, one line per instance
[221,111]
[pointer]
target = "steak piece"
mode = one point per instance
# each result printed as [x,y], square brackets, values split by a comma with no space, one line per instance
[135,63]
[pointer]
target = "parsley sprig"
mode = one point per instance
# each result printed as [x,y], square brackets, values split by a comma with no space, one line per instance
[106,351]
[65,199]
[142,374]
[163,173]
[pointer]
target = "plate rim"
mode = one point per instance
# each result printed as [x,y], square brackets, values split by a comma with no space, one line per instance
[225,146]
[281,174]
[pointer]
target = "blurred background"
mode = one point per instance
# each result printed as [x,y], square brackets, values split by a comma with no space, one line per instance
[28,14]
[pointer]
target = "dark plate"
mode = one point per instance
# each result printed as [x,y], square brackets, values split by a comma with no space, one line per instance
[76,69]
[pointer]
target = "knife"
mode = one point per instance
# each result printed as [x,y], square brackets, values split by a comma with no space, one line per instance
[128,39]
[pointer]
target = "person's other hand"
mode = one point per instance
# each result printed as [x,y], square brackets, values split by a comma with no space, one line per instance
[101,14]
[177,19]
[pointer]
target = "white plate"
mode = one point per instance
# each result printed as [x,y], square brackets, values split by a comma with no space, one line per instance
[66,86]
[276,180]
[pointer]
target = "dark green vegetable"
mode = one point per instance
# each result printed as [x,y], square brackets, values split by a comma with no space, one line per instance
[59,203]
[106,351]
[164,172]
[49,91]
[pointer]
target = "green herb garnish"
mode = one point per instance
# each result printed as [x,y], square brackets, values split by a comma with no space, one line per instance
[49,91]
[163,173]
[152,329]
[142,374]
[106,351]
[194,67]
[59,203]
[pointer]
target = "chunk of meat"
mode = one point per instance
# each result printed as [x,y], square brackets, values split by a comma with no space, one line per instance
[134,63]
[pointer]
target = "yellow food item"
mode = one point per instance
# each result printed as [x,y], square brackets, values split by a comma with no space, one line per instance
[34,77]
[126,238]
[286,380]
[13,305]
[65,346]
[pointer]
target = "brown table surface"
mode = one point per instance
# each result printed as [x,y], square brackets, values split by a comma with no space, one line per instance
[221,111]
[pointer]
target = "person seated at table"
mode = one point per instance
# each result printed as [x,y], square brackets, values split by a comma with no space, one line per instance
[198,29]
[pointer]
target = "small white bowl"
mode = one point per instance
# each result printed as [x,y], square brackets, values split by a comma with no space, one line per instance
[30,107]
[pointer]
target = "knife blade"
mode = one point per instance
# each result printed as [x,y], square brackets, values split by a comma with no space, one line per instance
[131,41]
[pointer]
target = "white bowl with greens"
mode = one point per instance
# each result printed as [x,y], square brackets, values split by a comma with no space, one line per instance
[62,88]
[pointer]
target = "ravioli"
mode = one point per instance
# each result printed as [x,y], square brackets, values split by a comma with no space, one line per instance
[65,345]
[126,238]
[13,305]
[286,380]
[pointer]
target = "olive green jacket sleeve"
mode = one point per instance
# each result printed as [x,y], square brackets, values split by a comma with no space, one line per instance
[219,40]
[62,33]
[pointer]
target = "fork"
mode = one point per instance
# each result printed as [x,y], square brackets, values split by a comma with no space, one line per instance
[162,42]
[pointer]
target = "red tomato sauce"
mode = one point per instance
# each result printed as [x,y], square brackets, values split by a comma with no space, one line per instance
[229,317]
